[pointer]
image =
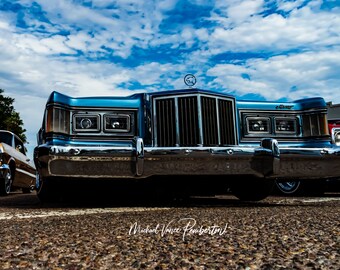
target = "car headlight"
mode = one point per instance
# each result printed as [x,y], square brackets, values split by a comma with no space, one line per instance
[57,120]
[117,123]
[86,123]
[285,125]
[336,136]
[258,125]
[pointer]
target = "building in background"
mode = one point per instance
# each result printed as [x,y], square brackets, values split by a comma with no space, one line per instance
[333,111]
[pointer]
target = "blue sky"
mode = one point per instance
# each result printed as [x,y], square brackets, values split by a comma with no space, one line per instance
[254,49]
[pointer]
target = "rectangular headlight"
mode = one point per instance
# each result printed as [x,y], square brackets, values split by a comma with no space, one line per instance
[285,125]
[117,122]
[86,123]
[258,125]
[57,120]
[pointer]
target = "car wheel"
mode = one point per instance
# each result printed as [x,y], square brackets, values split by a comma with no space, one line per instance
[289,187]
[252,189]
[6,183]
[301,188]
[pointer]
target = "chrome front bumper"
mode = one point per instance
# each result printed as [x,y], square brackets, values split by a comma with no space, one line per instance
[135,160]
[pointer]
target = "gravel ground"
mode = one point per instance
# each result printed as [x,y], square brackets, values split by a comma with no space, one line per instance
[277,233]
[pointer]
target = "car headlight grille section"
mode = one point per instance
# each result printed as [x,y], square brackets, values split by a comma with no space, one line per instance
[117,123]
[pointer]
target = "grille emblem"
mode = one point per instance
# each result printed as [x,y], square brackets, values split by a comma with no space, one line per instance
[190,80]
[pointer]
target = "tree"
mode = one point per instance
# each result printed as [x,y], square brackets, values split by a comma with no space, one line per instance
[9,118]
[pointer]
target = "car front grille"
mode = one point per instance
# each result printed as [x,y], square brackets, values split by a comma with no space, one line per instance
[194,120]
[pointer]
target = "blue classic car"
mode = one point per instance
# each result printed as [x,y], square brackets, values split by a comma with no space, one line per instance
[217,140]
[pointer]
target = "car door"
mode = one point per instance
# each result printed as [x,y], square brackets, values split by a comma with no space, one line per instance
[25,169]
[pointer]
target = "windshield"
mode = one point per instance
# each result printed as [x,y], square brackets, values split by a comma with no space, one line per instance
[6,137]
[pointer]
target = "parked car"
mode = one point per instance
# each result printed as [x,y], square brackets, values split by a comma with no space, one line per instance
[318,186]
[16,169]
[245,145]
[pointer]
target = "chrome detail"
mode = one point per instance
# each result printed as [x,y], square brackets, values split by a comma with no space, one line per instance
[258,125]
[282,124]
[311,123]
[139,156]
[100,117]
[190,80]
[86,122]
[74,151]
[194,120]
[272,145]
[336,136]
[117,161]
[112,122]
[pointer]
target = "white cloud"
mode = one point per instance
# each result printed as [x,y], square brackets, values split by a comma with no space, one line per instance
[242,10]
[303,27]
[289,5]
[131,23]
[294,77]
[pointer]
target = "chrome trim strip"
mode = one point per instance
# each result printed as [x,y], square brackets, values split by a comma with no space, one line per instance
[139,156]
[177,121]
[218,121]
[200,119]
[27,173]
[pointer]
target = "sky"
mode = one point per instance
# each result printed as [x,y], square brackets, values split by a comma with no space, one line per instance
[253,49]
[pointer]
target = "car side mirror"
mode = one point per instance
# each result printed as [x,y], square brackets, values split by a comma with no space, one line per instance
[19,148]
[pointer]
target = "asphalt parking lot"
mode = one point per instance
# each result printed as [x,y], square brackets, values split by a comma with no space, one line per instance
[200,233]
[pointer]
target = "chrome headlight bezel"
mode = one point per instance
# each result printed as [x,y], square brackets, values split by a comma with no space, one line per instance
[279,129]
[101,120]
[86,122]
[263,123]
[122,120]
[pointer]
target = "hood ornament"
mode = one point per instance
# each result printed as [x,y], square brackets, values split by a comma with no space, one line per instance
[190,80]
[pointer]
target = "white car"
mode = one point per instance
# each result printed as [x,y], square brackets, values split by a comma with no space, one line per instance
[16,169]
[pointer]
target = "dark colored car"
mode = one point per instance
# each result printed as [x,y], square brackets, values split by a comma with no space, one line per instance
[16,169]
[211,138]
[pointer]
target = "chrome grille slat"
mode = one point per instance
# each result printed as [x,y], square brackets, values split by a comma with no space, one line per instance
[188,125]
[194,120]
[209,119]
[166,129]
[226,122]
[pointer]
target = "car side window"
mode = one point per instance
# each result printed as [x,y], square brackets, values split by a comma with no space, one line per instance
[19,146]
[6,138]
